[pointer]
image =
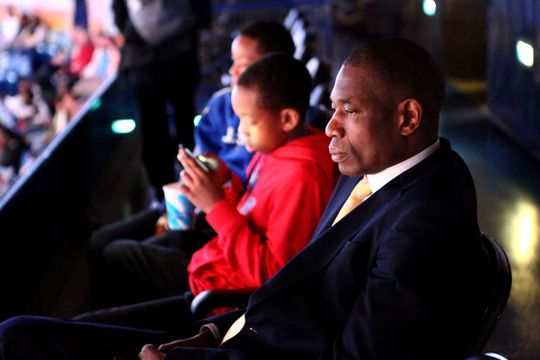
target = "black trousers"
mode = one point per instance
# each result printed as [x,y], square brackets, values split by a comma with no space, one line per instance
[170,314]
[30,337]
[128,264]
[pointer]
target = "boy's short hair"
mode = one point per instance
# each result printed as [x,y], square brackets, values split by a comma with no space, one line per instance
[281,81]
[272,37]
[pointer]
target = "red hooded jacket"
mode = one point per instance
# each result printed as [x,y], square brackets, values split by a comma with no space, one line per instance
[275,217]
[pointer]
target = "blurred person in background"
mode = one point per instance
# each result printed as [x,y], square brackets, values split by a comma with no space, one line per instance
[12,148]
[31,112]
[159,57]
[105,58]
[10,25]
[33,32]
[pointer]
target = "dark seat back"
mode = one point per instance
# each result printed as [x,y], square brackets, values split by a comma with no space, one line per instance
[502,283]
[209,300]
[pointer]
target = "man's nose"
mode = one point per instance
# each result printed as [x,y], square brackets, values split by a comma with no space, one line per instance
[333,127]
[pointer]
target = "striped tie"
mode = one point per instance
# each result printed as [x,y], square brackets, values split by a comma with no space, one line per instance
[359,193]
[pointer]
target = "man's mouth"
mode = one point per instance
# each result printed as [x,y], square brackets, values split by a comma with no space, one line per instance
[337,155]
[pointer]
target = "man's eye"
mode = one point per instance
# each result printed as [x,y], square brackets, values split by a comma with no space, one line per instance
[349,112]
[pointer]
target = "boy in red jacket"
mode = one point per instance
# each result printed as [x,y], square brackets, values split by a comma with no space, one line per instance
[290,179]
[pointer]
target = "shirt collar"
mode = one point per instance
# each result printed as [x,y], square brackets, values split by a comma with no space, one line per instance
[377,181]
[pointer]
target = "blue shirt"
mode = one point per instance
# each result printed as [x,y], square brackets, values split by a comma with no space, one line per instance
[217,132]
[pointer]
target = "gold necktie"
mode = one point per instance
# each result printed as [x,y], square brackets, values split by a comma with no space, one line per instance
[359,193]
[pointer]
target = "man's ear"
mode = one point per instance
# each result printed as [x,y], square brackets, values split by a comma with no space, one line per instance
[289,119]
[410,116]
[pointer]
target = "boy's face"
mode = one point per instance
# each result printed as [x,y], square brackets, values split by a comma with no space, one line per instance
[260,128]
[244,53]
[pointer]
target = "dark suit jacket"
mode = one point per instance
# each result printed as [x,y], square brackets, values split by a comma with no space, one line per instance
[400,277]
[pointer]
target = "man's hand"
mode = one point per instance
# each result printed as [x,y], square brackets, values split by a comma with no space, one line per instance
[202,188]
[149,352]
[203,339]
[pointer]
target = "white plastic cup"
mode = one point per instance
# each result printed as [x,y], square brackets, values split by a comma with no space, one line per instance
[180,211]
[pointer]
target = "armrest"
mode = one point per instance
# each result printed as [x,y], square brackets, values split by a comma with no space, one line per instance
[209,300]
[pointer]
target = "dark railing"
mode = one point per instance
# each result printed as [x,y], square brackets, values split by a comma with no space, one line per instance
[72,186]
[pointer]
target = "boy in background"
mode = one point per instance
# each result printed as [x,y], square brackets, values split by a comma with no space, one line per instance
[217,131]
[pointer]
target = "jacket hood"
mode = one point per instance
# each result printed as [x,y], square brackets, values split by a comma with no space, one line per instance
[306,148]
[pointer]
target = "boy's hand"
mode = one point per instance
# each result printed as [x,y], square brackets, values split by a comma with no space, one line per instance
[222,173]
[202,188]
[162,224]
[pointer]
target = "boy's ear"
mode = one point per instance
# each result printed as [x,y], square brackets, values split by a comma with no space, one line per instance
[289,119]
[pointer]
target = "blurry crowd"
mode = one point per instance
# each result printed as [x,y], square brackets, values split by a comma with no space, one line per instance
[45,76]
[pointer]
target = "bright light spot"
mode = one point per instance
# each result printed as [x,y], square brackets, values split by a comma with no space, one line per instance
[96,104]
[197,120]
[524,232]
[496,356]
[12,77]
[525,53]
[429,7]
[123,126]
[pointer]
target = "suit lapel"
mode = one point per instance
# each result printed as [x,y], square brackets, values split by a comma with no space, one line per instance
[343,189]
[329,241]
